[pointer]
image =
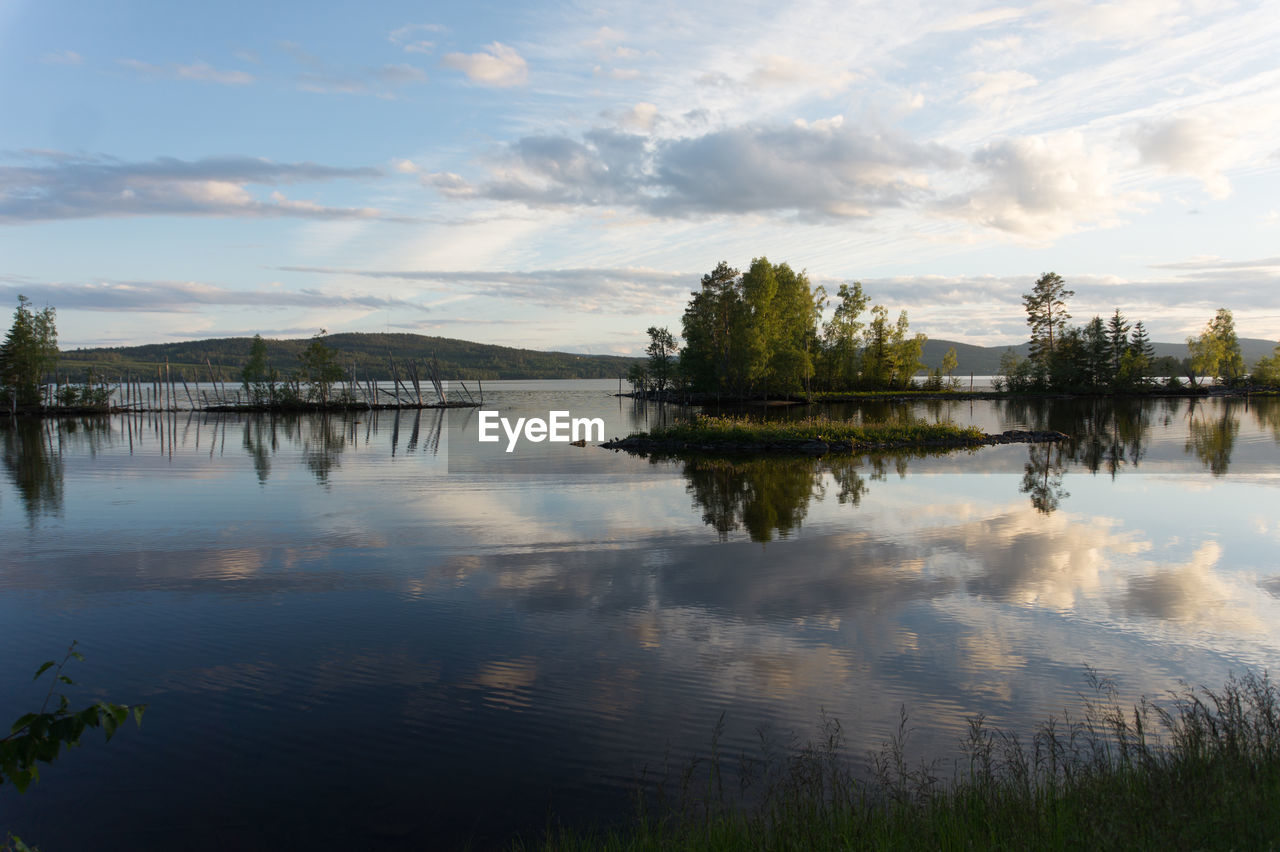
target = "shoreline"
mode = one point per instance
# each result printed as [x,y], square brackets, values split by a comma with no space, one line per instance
[644,444]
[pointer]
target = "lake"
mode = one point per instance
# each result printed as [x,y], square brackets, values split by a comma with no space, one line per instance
[359,631]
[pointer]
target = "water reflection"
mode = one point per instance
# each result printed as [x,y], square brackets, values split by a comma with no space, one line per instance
[1042,476]
[1212,436]
[1267,412]
[764,496]
[33,459]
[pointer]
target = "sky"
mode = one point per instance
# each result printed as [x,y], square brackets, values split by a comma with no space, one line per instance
[561,175]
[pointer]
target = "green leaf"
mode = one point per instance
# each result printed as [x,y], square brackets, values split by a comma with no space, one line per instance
[137,714]
[64,679]
[23,721]
[44,667]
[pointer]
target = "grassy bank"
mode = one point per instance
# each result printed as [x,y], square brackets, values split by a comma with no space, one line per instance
[1199,771]
[814,436]
[736,430]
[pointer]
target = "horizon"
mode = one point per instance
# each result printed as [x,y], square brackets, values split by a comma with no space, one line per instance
[519,175]
[562,351]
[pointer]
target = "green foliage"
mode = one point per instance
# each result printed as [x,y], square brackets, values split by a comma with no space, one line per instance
[366,352]
[1216,352]
[1267,372]
[41,736]
[638,378]
[28,354]
[319,369]
[257,375]
[1046,307]
[661,351]
[949,364]
[840,337]
[1016,375]
[740,431]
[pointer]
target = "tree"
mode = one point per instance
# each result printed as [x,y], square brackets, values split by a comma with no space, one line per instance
[1118,337]
[1046,307]
[29,352]
[709,323]
[320,368]
[1267,373]
[1216,352]
[1097,369]
[949,363]
[638,378]
[841,334]
[258,377]
[877,354]
[905,352]
[661,351]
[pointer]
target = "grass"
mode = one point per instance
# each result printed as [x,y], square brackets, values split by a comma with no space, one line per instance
[1198,771]
[740,431]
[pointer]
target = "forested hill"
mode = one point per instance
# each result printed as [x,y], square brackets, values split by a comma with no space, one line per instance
[985,360]
[368,352]
[467,360]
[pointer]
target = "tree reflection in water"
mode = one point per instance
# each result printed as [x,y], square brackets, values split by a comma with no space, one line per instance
[32,453]
[1042,476]
[1213,438]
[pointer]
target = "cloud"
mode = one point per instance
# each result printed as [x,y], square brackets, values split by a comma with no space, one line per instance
[1192,145]
[640,117]
[190,297]
[814,169]
[585,290]
[1217,263]
[1041,187]
[61,186]
[62,57]
[321,77]
[776,70]
[201,72]
[407,37]
[991,89]
[498,66]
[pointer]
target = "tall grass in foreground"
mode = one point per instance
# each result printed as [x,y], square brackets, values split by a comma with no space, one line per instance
[735,430]
[1201,770]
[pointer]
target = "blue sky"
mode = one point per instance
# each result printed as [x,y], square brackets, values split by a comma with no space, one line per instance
[560,175]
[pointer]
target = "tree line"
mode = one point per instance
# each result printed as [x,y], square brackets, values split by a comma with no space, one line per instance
[1116,355]
[760,333]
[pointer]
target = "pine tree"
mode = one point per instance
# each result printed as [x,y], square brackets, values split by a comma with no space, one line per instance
[29,352]
[1046,307]
[1118,336]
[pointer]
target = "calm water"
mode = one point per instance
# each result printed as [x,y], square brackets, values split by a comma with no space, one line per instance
[344,644]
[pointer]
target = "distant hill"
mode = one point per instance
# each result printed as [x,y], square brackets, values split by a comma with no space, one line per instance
[985,360]
[368,352]
[467,360]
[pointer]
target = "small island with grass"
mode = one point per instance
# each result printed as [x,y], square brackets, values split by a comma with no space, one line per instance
[815,436]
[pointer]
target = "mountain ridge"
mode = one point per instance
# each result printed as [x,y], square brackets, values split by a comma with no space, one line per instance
[369,354]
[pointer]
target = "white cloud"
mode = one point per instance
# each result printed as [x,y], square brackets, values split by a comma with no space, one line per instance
[408,37]
[201,72]
[640,117]
[633,290]
[59,186]
[991,89]
[498,66]
[1192,145]
[1041,187]
[815,169]
[62,57]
